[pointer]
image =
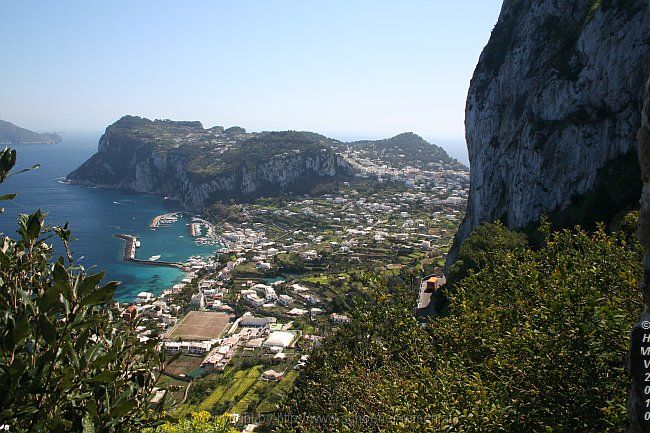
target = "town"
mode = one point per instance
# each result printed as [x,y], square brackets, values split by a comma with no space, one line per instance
[241,324]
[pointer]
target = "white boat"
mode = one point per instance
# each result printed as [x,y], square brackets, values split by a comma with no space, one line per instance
[137,243]
[154,258]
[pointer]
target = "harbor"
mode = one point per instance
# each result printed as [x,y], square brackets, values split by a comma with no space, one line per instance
[164,220]
[130,246]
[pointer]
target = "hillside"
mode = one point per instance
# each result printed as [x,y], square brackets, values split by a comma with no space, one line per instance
[552,113]
[201,166]
[12,134]
[399,151]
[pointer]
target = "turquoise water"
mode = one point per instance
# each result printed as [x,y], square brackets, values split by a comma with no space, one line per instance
[96,215]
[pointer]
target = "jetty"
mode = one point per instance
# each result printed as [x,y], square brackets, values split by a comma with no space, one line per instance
[155,222]
[129,254]
[195,229]
[164,219]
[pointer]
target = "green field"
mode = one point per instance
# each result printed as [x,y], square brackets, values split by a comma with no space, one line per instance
[233,389]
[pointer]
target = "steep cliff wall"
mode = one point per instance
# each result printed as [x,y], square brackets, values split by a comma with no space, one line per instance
[198,167]
[553,110]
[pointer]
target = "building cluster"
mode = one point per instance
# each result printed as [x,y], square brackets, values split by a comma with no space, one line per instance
[250,289]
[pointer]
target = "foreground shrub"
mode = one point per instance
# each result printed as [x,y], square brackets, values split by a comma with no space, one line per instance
[535,341]
[67,362]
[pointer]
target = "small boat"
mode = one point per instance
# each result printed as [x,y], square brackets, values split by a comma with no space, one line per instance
[154,258]
[137,243]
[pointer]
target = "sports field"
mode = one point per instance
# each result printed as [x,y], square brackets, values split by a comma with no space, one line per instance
[200,325]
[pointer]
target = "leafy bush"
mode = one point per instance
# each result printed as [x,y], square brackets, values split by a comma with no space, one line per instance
[67,361]
[198,422]
[485,240]
[535,341]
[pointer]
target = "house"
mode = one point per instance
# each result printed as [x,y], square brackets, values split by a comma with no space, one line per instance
[309,255]
[285,299]
[189,347]
[198,301]
[434,282]
[296,312]
[279,339]
[272,375]
[339,318]
[270,295]
[130,313]
[254,300]
[255,322]
[254,343]
[143,298]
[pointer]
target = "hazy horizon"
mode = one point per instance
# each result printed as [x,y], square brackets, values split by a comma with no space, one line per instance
[363,69]
[455,147]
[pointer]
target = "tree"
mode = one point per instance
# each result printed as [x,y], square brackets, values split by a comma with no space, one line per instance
[485,240]
[536,340]
[67,360]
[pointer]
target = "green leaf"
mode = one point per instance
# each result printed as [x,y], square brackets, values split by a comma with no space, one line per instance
[105,377]
[46,328]
[101,295]
[7,197]
[88,424]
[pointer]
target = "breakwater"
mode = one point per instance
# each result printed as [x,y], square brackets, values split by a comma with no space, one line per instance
[129,253]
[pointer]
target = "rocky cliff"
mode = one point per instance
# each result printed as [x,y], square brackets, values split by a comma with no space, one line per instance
[552,113]
[200,166]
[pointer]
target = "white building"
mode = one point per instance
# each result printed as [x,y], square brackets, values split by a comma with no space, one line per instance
[339,318]
[143,298]
[279,339]
[285,299]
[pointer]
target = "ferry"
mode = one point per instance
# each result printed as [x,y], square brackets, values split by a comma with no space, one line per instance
[154,258]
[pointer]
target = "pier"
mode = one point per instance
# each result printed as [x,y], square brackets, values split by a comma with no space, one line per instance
[195,229]
[129,254]
[155,222]
[164,219]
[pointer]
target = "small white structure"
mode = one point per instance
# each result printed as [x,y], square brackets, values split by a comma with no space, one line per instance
[296,312]
[279,339]
[339,318]
[189,347]
[309,255]
[143,298]
[248,321]
[285,299]
[272,375]
[198,301]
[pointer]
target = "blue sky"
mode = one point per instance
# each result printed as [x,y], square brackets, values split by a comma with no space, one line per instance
[347,69]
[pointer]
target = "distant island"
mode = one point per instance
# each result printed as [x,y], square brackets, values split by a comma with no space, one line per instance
[201,166]
[12,134]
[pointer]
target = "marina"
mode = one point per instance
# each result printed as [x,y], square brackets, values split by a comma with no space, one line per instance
[129,254]
[164,220]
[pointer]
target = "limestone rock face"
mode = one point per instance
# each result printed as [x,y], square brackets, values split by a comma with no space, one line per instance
[198,167]
[553,110]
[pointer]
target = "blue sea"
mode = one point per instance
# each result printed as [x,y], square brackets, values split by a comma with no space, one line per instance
[96,215]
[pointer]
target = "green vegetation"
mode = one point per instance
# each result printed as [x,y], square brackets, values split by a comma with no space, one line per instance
[511,356]
[478,249]
[67,361]
[404,149]
[198,422]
